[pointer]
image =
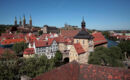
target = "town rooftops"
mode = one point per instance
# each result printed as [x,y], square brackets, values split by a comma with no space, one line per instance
[12,41]
[28,51]
[76,71]
[79,49]
[41,43]
[98,38]
[69,33]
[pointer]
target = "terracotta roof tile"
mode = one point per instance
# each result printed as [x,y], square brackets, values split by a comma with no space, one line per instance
[79,48]
[28,51]
[12,41]
[40,43]
[98,38]
[66,72]
[69,33]
[75,71]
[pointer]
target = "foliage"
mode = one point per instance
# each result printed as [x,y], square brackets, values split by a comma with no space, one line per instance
[58,56]
[19,47]
[106,34]
[58,59]
[30,67]
[7,55]
[106,56]
[13,69]
[3,28]
[35,66]
[125,46]
[8,71]
[40,32]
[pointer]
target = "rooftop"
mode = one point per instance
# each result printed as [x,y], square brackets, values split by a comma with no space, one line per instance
[76,71]
[79,49]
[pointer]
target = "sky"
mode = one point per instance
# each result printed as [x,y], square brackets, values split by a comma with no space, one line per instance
[98,14]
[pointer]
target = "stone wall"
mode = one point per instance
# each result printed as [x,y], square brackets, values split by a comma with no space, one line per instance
[83,42]
[73,55]
[62,47]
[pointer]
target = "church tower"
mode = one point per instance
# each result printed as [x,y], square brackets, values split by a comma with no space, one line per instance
[83,24]
[24,20]
[15,21]
[30,21]
[20,22]
[84,38]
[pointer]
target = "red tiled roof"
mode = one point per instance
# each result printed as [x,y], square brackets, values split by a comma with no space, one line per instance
[31,37]
[75,71]
[28,51]
[98,38]
[7,35]
[3,49]
[19,36]
[40,43]
[68,71]
[50,40]
[79,48]
[43,36]
[12,41]
[60,39]
[69,33]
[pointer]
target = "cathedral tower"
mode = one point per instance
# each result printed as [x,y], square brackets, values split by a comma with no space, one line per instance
[24,20]
[15,21]
[30,21]
[20,22]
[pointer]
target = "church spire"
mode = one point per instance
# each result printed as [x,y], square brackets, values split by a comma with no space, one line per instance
[15,21]
[30,21]
[83,24]
[24,20]
[20,22]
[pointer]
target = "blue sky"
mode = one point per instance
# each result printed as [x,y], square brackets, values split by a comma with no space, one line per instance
[98,14]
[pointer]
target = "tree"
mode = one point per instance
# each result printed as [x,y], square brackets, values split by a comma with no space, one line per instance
[125,47]
[106,56]
[40,32]
[19,47]
[7,55]
[36,66]
[58,56]
[106,34]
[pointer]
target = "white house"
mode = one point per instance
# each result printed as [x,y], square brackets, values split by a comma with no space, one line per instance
[48,48]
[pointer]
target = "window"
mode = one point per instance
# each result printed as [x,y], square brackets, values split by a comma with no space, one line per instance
[77,41]
[83,42]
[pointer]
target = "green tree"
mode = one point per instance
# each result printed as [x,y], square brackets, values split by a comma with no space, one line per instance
[7,55]
[36,66]
[125,47]
[40,32]
[106,34]
[58,59]
[106,56]
[19,47]
[58,56]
